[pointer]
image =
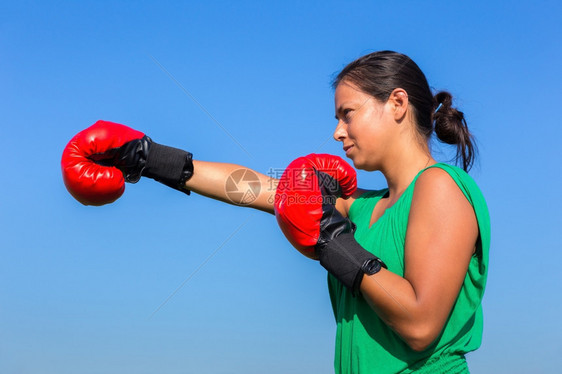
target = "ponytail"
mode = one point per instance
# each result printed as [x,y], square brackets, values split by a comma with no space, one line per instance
[451,128]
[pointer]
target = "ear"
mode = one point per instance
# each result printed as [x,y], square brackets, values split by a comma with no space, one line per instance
[398,101]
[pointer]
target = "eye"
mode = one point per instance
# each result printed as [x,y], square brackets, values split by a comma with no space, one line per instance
[346,114]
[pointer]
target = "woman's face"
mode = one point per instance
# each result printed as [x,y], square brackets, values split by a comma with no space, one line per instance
[365,126]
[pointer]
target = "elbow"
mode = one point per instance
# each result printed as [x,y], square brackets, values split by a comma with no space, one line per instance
[420,338]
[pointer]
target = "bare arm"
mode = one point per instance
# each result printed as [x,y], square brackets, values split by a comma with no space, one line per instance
[210,179]
[441,237]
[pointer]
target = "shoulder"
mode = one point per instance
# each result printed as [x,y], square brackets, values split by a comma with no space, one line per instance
[449,191]
[450,181]
[438,191]
[436,179]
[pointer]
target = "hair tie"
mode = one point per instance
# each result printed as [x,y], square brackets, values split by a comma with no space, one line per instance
[438,107]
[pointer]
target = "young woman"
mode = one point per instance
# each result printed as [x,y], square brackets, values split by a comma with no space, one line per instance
[421,311]
[430,226]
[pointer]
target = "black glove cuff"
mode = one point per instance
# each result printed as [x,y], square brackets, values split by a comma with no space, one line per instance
[348,261]
[170,166]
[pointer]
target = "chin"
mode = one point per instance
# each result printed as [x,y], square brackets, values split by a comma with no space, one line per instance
[364,165]
[352,159]
[358,164]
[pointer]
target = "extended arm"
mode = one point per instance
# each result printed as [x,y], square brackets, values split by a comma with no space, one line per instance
[210,178]
[98,161]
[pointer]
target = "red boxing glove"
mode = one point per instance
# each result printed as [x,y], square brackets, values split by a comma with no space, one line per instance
[90,182]
[306,184]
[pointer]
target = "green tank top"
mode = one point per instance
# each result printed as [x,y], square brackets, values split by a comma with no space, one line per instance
[364,343]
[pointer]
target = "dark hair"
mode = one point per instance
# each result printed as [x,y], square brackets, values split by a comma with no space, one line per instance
[379,73]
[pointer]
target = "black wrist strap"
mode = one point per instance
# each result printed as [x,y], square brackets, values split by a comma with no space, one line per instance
[348,261]
[170,166]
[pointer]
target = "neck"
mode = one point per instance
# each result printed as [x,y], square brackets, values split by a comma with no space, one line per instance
[401,171]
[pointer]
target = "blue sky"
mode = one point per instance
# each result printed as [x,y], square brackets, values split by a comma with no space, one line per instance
[112,289]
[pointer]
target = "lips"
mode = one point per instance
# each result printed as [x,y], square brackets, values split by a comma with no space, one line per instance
[346,148]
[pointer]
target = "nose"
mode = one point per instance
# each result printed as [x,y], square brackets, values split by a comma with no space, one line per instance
[340,132]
